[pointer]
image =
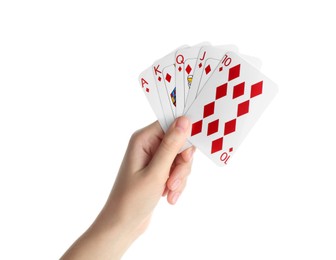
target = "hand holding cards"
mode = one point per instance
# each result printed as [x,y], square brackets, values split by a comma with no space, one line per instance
[222,92]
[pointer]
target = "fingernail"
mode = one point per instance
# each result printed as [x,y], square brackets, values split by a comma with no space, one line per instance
[175,197]
[192,152]
[175,184]
[183,123]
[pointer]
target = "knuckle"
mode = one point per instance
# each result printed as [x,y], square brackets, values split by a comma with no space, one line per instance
[136,137]
[167,143]
[172,141]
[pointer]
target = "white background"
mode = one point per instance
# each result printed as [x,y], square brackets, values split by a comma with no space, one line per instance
[69,101]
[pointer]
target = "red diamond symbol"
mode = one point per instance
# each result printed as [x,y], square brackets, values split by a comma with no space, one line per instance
[256,89]
[159,78]
[213,127]
[207,69]
[243,108]
[238,90]
[209,109]
[147,90]
[221,91]
[168,77]
[179,68]
[188,69]
[230,127]
[231,149]
[200,65]
[196,127]
[234,72]
[217,145]
[221,68]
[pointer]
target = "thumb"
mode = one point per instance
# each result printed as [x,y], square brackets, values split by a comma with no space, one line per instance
[170,145]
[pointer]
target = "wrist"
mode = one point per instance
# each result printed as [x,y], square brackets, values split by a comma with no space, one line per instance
[115,232]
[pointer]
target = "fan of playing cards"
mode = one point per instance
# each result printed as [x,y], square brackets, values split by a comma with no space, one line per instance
[221,91]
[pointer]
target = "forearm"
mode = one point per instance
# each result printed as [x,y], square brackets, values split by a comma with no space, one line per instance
[105,239]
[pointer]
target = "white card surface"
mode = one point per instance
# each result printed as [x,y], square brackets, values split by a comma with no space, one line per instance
[160,67]
[207,61]
[185,67]
[222,92]
[148,85]
[230,103]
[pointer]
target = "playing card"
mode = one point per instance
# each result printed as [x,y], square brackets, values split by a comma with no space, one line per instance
[207,60]
[185,60]
[214,56]
[169,82]
[230,103]
[252,60]
[147,82]
[164,74]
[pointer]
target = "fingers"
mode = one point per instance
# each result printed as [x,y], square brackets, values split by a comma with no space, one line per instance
[142,144]
[171,143]
[173,195]
[188,153]
[154,129]
[147,137]
[178,178]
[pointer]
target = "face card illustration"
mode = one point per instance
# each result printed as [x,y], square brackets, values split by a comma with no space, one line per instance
[164,72]
[185,67]
[147,82]
[230,103]
[207,61]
